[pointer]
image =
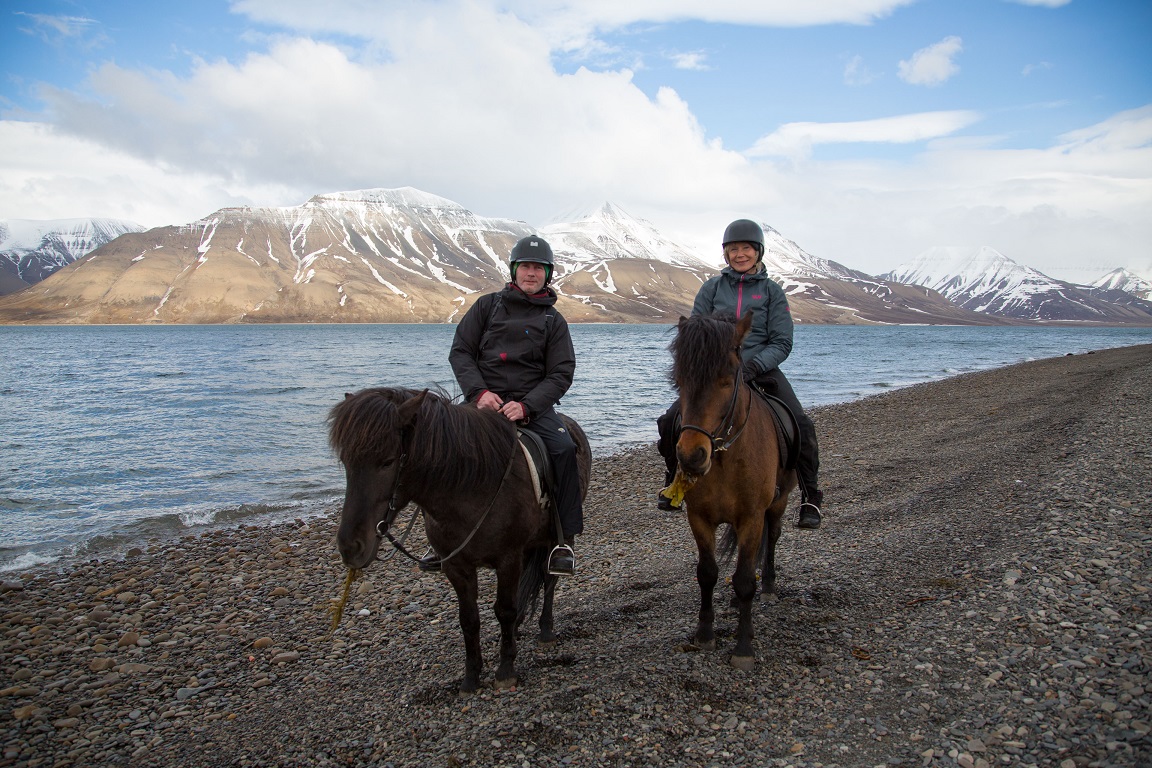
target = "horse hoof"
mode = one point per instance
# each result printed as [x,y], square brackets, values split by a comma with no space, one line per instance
[745,663]
[546,643]
[505,684]
[705,645]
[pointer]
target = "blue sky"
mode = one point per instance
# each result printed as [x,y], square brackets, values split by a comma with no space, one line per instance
[865,130]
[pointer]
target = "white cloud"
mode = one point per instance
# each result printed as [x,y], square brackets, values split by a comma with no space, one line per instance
[46,175]
[695,60]
[568,25]
[62,30]
[1030,68]
[1064,209]
[462,107]
[932,65]
[795,140]
[1043,3]
[856,73]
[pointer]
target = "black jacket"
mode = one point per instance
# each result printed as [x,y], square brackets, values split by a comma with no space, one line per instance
[515,345]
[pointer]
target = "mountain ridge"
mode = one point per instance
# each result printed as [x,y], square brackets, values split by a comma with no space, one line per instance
[405,255]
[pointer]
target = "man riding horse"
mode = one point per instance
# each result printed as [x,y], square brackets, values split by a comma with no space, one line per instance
[512,353]
[741,286]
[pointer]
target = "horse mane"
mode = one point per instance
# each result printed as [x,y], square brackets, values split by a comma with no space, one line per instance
[452,445]
[700,352]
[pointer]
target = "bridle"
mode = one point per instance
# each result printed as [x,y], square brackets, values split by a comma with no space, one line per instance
[382,527]
[722,438]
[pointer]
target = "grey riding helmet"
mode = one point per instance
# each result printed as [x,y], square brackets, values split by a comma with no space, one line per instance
[745,231]
[535,249]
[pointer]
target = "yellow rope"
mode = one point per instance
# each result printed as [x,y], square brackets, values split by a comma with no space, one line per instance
[336,610]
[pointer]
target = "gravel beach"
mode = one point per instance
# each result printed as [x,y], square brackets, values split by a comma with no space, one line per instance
[977,596]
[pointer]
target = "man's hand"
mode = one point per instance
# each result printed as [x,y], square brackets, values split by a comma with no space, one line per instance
[514,411]
[489,401]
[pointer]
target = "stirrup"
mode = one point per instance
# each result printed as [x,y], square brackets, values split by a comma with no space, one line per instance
[430,563]
[558,552]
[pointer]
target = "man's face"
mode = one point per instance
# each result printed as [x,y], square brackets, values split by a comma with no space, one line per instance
[530,276]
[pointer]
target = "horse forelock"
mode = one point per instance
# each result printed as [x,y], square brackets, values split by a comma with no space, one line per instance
[701,352]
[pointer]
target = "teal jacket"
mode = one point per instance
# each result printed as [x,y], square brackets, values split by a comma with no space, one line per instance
[769,342]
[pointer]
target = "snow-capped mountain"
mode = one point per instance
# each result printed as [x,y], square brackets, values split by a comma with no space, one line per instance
[614,262]
[985,281]
[403,255]
[30,250]
[1123,280]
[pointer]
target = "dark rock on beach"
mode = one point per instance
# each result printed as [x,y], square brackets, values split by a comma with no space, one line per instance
[978,595]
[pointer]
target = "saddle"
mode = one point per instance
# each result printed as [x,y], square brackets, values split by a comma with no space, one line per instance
[787,429]
[539,465]
[543,484]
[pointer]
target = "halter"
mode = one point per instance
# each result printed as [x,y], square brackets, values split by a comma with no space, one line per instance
[383,526]
[722,439]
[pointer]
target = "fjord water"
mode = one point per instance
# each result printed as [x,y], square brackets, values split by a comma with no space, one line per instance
[112,436]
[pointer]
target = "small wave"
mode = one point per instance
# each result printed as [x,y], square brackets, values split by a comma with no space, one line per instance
[26,560]
[274,390]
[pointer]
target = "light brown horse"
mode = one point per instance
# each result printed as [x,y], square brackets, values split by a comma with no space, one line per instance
[732,465]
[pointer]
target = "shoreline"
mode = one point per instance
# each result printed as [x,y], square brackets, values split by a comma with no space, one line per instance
[979,594]
[121,537]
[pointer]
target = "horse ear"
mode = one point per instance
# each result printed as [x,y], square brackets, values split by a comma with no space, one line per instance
[347,395]
[410,408]
[743,325]
[682,321]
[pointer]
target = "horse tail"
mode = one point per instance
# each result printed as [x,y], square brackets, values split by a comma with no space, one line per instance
[532,578]
[728,544]
[727,547]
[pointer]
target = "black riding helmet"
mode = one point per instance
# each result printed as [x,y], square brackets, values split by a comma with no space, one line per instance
[745,231]
[536,250]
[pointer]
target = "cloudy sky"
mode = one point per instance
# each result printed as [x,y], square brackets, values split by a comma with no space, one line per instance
[865,130]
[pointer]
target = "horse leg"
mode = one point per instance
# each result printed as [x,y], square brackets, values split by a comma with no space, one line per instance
[744,585]
[547,637]
[774,524]
[706,575]
[464,582]
[507,586]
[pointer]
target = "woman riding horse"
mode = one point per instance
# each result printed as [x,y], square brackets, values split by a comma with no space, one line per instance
[744,285]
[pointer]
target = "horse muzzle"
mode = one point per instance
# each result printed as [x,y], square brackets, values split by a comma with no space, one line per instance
[358,552]
[694,455]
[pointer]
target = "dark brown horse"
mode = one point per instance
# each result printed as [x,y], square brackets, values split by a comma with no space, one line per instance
[732,467]
[466,471]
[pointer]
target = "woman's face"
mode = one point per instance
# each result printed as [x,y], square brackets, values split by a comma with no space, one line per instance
[741,256]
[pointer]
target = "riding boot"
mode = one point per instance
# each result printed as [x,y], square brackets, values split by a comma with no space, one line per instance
[430,563]
[810,510]
[562,560]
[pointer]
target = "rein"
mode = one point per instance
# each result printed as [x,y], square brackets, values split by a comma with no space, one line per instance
[383,526]
[722,439]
